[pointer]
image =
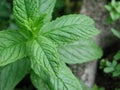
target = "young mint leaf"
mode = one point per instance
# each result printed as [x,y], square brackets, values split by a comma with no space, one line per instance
[69,28]
[46,64]
[12,46]
[30,13]
[81,51]
[11,74]
[46,8]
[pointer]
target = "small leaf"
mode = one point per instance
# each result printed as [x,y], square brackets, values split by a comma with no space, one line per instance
[116,73]
[108,7]
[12,74]
[114,63]
[102,64]
[108,63]
[117,56]
[108,69]
[113,3]
[69,28]
[115,32]
[117,67]
[117,8]
[12,46]
[114,15]
[81,51]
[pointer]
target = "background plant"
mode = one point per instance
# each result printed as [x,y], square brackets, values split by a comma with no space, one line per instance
[95,87]
[41,47]
[113,66]
[114,10]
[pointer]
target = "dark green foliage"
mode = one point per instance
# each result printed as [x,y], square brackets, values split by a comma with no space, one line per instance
[114,10]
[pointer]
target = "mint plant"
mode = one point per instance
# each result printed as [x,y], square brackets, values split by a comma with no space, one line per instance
[42,47]
[112,67]
[114,9]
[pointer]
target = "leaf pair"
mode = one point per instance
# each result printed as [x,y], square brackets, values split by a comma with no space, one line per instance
[48,45]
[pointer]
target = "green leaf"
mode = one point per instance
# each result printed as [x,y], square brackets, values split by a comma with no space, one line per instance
[108,7]
[64,80]
[30,13]
[117,56]
[113,3]
[46,8]
[114,63]
[12,46]
[38,82]
[46,64]
[114,15]
[108,63]
[108,69]
[117,67]
[45,52]
[69,28]
[12,74]
[115,32]
[117,8]
[81,51]
[116,73]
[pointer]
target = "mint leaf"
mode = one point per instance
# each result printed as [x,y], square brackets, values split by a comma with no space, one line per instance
[12,46]
[46,64]
[46,8]
[108,69]
[44,51]
[38,82]
[64,80]
[29,14]
[12,74]
[114,15]
[26,13]
[81,51]
[69,28]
